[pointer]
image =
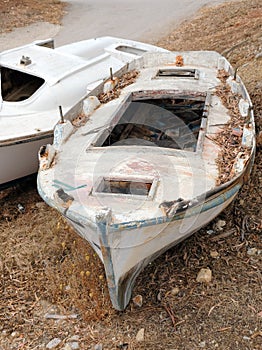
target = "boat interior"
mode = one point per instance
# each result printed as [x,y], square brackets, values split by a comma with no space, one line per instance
[169,122]
[18,86]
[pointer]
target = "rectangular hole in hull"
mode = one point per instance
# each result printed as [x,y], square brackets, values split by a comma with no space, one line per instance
[128,187]
[162,122]
[178,73]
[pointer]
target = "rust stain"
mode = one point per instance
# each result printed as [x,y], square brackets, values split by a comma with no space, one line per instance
[63,198]
[127,79]
[179,61]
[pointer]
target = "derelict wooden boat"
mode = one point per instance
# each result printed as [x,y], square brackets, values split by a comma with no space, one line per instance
[38,78]
[149,157]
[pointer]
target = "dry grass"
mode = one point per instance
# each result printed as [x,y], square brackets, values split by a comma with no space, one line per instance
[18,13]
[230,144]
[47,269]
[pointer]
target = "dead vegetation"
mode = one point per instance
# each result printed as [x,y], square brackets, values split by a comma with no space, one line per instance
[19,13]
[48,272]
[230,138]
[127,79]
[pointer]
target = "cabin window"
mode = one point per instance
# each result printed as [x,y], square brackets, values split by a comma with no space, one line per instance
[18,86]
[131,50]
[169,122]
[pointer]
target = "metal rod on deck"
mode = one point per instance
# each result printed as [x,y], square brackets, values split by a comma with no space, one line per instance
[235,73]
[61,114]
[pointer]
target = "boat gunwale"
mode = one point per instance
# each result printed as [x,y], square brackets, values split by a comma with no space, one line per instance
[27,139]
[232,186]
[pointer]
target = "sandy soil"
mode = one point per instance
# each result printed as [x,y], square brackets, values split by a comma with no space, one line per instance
[52,284]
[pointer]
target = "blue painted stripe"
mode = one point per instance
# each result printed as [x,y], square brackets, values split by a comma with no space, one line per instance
[200,208]
[102,230]
[223,197]
[66,187]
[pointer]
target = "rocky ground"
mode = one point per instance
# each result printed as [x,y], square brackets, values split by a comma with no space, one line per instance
[53,290]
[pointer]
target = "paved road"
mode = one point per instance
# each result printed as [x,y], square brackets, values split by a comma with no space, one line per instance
[144,20]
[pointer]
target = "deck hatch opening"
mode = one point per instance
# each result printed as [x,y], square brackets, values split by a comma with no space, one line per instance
[124,187]
[18,86]
[178,73]
[170,122]
[132,50]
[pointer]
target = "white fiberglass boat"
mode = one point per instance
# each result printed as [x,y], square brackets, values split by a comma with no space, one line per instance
[36,79]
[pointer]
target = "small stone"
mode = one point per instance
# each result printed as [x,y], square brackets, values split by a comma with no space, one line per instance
[202,344]
[214,254]
[98,347]
[67,347]
[74,338]
[252,251]
[140,335]
[175,291]
[138,300]
[246,338]
[73,345]
[53,343]
[220,224]
[204,276]
[20,208]
[210,232]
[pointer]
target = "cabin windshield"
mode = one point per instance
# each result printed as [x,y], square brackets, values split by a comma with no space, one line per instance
[169,122]
[18,86]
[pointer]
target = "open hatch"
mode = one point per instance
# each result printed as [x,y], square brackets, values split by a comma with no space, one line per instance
[169,121]
[178,73]
[126,186]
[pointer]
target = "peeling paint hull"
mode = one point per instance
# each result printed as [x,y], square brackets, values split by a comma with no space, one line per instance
[133,197]
[124,264]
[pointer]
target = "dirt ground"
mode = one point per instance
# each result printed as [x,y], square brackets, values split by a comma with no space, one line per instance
[19,13]
[52,284]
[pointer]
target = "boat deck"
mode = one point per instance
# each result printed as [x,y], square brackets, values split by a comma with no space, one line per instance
[136,171]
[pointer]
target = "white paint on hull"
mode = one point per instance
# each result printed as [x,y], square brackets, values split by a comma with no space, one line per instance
[19,160]
[154,240]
